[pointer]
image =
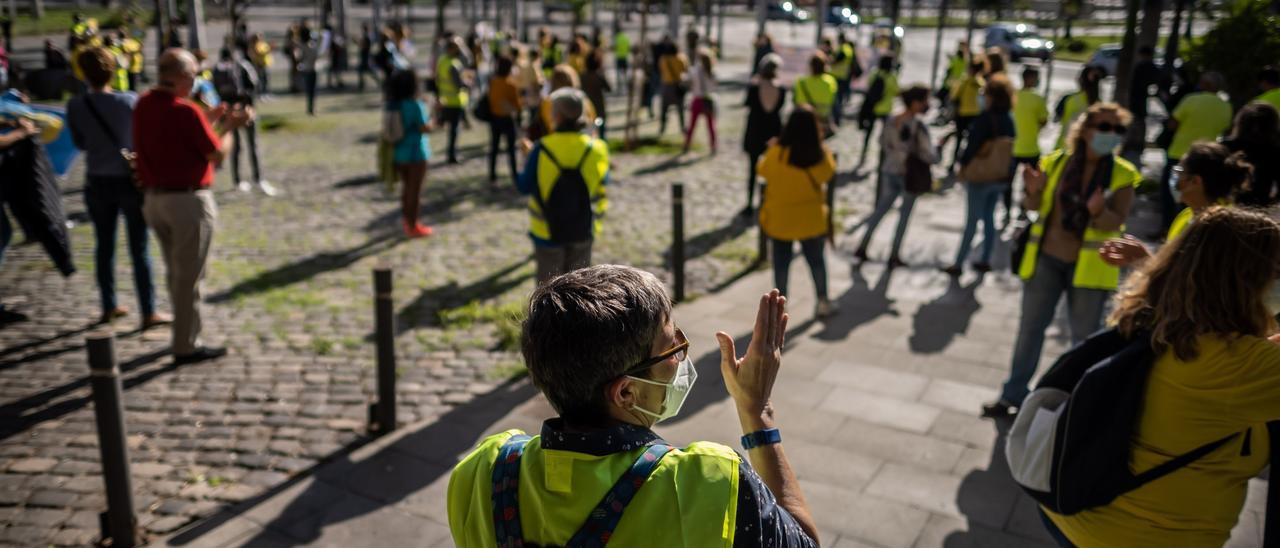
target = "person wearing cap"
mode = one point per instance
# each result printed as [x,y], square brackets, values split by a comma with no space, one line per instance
[564,176]
[602,346]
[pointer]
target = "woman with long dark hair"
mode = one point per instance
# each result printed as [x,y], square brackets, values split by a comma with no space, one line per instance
[764,118]
[797,169]
[1256,134]
[413,149]
[992,129]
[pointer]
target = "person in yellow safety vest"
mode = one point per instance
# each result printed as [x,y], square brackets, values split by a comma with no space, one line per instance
[601,344]
[845,68]
[121,79]
[1208,176]
[552,54]
[78,32]
[957,65]
[818,90]
[621,55]
[565,176]
[969,102]
[451,92]
[878,101]
[1269,81]
[1030,115]
[1073,105]
[261,58]
[132,49]
[563,77]
[1083,194]
[1199,116]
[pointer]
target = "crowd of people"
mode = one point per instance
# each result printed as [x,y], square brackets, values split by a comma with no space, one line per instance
[600,342]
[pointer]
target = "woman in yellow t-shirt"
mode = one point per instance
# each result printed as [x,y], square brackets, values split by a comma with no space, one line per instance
[1216,374]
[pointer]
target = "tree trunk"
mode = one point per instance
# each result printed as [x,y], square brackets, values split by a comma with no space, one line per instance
[937,43]
[1150,32]
[162,22]
[720,29]
[821,18]
[37,9]
[973,22]
[440,5]
[1191,19]
[1171,45]
[521,28]
[195,25]
[673,18]
[1128,47]
[629,134]
[761,14]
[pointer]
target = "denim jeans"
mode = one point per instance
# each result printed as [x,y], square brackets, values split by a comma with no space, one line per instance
[309,85]
[813,249]
[106,199]
[250,136]
[1040,297]
[892,187]
[982,199]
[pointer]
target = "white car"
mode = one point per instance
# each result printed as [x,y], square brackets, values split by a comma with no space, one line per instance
[1018,40]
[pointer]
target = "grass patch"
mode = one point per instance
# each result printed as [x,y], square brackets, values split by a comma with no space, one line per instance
[283,301]
[323,346]
[651,146]
[505,318]
[58,20]
[506,370]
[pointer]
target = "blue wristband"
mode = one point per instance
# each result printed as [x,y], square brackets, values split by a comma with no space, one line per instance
[760,438]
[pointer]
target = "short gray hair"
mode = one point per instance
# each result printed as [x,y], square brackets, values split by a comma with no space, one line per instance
[585,328]
[769,65]
[567,106]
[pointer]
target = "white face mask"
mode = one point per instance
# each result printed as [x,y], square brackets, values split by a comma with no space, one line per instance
[676,391]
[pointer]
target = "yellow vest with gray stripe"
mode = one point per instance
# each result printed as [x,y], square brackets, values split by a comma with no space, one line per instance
[1090,272]
[450,92]
[568,148]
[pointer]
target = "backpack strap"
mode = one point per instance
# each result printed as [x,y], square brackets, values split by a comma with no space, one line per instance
[583,160]
[602,520]
[1177,462]
[102,122]
[506,485]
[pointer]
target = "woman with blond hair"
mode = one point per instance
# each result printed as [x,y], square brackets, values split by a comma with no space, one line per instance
[1083,195]
[1215,377]
[562,76]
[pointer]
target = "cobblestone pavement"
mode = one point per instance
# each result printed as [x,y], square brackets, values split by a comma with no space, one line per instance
[289,291]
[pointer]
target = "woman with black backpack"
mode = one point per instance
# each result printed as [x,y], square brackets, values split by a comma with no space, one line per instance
[1215,377]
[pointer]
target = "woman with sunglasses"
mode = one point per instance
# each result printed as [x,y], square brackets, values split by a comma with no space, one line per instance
[601,345]
[1082,196]
[1209,174]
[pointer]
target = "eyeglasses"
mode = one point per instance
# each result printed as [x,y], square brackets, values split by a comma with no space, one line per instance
[680,351]
[1110,127]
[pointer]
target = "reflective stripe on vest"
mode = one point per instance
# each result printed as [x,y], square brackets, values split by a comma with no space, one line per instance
[568,148]
[1091,272]
[451,95]
[690,499]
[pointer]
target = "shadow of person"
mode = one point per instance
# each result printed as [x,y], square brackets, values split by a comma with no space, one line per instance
[937,322]
[859,305]
[344,490]
[996,511]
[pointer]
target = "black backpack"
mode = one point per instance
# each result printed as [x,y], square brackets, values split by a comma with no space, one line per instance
[567,209]
[1070,445]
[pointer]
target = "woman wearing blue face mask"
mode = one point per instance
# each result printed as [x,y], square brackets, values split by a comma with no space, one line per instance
[1082,196]
[600,344]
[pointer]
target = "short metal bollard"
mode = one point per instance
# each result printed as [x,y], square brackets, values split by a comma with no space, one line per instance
[762,241]
[677,238]
[382,414]
[119,522]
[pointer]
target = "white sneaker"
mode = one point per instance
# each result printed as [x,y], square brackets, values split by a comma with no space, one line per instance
[825,309]
[268,189]
[244,186]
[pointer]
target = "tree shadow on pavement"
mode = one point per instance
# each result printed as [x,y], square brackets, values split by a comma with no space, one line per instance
[307,268]
[995,509]
[674,162]
[346,487]
[703,243]
[861,304]
[938,322]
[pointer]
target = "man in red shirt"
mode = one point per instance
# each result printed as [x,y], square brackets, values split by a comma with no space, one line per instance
[177,149]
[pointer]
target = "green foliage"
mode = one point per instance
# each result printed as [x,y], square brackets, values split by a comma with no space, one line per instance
[1241,41]
[58,20]
[505,318]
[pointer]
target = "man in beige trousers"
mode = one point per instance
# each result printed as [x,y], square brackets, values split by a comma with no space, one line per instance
[177,149]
